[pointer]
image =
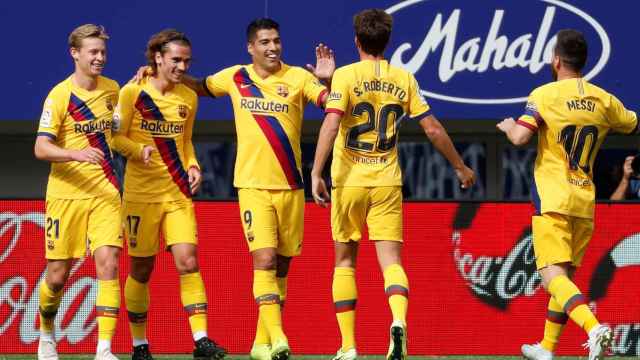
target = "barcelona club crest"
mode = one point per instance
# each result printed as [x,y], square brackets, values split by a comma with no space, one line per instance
[282,91]
[182,111]
[109,103]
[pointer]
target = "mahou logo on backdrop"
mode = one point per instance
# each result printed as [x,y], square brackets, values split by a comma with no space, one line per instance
[489,52]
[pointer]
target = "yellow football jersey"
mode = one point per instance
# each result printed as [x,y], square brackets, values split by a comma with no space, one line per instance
[146,117]
[268,116]
[572,118]
[76,118]
[374,97]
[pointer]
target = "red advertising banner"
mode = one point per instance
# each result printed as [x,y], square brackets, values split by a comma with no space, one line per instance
[473,285]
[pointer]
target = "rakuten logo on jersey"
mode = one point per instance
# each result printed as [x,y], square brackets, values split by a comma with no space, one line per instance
[488,52]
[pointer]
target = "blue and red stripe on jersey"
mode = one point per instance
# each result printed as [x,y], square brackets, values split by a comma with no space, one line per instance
[80,111]
[166,146]
[99,141]
[147,108]
[169,154]
[273,131]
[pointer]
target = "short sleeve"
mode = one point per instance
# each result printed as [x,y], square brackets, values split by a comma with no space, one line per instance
[620,119]
[313,89]
[531,119]
[52,116]
[338,99]
[218,84]
[418,106]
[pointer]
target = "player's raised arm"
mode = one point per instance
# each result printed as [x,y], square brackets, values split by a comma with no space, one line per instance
[192,82]
[324,68]
[442,142]
[517,133]
[521,131]
[195,84]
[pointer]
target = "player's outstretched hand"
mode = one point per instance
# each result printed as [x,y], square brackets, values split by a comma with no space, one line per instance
[195,179]
[506,124]
[143,72]
[325,63]
[466,176]
[88,154]
[146,154]
[319,191]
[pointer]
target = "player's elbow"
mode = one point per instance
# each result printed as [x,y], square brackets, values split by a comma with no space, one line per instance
[434,132]
[519,140]
[39,152]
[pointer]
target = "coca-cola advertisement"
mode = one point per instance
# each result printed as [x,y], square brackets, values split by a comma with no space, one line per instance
[473,285]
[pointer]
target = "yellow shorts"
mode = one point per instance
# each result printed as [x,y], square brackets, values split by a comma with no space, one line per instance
[273,219]
[379,207]
[144,222]
[74,225]
[559,238]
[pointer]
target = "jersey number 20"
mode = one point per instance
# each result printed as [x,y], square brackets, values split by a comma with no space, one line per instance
[378,123]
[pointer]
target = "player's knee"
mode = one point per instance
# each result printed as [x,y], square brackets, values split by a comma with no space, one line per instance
[141,269]
[56,283]
[264,260]
[107,269]
[187,265]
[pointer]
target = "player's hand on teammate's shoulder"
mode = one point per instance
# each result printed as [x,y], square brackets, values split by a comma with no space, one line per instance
[319,191]
[466,176]
[143,72]
[88,154]
[195,179]
[146,154]
[506,124]
[325,63]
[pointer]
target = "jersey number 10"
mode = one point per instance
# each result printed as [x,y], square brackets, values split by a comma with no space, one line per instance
[574,141]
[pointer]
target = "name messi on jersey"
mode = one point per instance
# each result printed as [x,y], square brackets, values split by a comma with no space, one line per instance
[92,126]
[161,127]
[586,105]
[380,86]
[261,105]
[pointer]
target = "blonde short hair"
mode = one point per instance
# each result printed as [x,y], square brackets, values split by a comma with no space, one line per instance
[86,31]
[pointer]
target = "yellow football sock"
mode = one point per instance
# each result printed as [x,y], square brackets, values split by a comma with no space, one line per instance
[136,298]
[265,291]
[567,294]
[49,303]
[262,335]
[345,296]
[107,307]
[396,286]
[553,325]
[194,300]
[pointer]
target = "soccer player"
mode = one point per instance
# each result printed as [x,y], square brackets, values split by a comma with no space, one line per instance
[83,199]
[571,117]
[368,101]
[154,123]
[268,98]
